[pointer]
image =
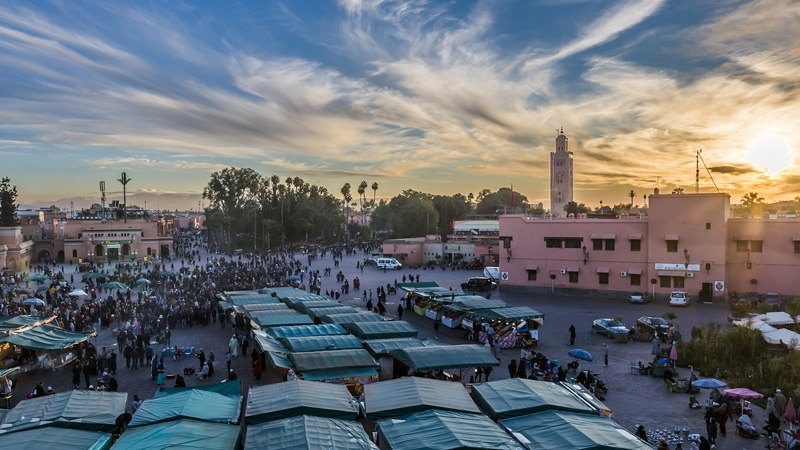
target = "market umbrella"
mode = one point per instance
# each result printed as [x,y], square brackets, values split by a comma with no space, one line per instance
[790,414]
[142,281]
[78,293]
[170,273]
[113,285]
[743,393]
[708,383]
[93,275]
[42,288]
[293,278]
[579,353]
[37,278]
[34,301]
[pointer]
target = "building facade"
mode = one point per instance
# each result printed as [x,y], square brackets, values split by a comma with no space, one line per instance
[560,176]
[15,251]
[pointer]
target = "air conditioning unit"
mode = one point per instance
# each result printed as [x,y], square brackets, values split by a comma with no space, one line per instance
[563,271]
[689,275]
[623,274]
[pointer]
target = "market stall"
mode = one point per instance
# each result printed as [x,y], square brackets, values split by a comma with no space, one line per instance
[83,410]
[308,432]
[228,388]
[189,404]
[57,439]
[349,367]
[382,330]
[514,326]
[344,319]
[317,313]
[56,341]
[305,306]
[298,397]
[270,319]
[408,395]
[306,330]
[454,314]
[441,357]
[321,343]
[183,433]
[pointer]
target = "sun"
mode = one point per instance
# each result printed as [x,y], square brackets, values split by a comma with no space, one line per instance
[772,153]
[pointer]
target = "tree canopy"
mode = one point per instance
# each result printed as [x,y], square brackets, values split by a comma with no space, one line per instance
[8,204]
[501,201]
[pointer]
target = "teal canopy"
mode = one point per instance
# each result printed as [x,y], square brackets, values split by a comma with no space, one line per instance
[228,388]
[181,434]
[56,439]
[280,360]
[317,343]
[319,312]
[308,432]
[559,430]
[508,313]
[520,396]
[425,359]
[333,359]
[268,343]
[83,410]
[408,395]
[304,306]
[293,398]
[306,330]
[342,319]
[253,307]
[382,330]
[189,404]
[408,287]
[445,430]
[301,297]
[12,323]
[471,302]
[280,320]
[46,337]
[380,347]
[241,300]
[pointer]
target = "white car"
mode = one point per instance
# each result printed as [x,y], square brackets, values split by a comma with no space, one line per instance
[678,298]
[639,297]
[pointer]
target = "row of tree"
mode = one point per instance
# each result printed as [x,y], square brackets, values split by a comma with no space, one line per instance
[8,204]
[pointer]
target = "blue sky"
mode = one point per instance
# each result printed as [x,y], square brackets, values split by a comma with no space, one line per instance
[442,97]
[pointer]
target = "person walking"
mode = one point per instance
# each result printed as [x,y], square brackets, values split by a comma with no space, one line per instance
[87,373]
[160,368]
[232,346]
[400,311]
[436,327]
[572,335]
[76,374]
[228,359]
[605,355]
[512,368]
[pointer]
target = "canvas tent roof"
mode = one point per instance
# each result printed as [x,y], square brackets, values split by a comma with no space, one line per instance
[306,330]
[444,430]
[520,396]
[304,306]
[12,323]
[183,434]
[382,330]
[56,439]
[317,343]
[229,388]
[308,432]
[84,410]
[342,319]
[425,359]
[776,318]
[280,360]
[319,312]
[301,297]
[408,395]
[280,320]
[253,307]
[294,398]
[189,404]
[471,302]
[240,300]
[782,336]
[46,337]
[508,313]
[268,343]
[559,430]
[378,347]
[310,361]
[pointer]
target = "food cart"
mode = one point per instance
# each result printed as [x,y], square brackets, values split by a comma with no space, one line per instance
[515,326]
[428,300]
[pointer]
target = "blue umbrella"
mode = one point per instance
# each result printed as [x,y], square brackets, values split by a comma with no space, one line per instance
[293,278]
[579,353]
[708,383]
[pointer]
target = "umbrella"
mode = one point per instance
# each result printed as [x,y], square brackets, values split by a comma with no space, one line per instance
[113,285]
[93,275]
[170,273]
[78,293]
[142,281]
[34,301]
[42,288]
[708,383]
[37,278]
[293,278]
[580,353]
[790,414]
[743,393]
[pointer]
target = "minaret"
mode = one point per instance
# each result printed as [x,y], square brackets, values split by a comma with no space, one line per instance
[560,176]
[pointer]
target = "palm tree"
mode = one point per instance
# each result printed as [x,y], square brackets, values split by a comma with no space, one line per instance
[752,198]
[631,194]
[374,191]
[362,197]
[346,197]
[124,180]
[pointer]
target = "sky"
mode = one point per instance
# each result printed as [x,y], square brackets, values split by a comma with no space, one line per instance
[442,97]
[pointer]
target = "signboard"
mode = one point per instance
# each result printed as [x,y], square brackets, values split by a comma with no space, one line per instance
[681,267]
[719,286]
[504,276]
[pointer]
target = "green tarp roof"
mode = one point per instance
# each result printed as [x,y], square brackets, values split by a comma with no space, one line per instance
[425,359]
[560,430]
[239,300]
[301,297]
[333,359]
[46,337]
[304,306]
[308,432]
[379,347]
[279,360]
[319,312]
[382,330]
[11,323]
[413,286]
[56,439]
[268,343]
[408,395]
[229,388]
[520,396]
[189,404]
[306,330]
[181,434]
[317,343]
[253,307]
[508,313]
[342,319]
[84,410]
[7,372]
[281,320]
[445,430]
[471,302]
[293,398]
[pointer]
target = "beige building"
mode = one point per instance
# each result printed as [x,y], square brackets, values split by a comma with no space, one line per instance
[15,252]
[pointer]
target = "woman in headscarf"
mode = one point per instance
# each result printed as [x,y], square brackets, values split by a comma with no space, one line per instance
[233,346]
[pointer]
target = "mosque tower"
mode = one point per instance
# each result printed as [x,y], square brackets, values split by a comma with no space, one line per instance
[560,176]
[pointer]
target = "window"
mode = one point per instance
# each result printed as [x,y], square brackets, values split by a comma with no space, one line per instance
[573,277]
[742,246]
[149,250]
[552,242]
[666,282]
[572,242]
[531,275]
[677,282]
[602,278]
[636,245]
[756,246]
[609,245]
[74,253]
[797,246]
[597,245]
[672,246]
[636,280]
[708,225]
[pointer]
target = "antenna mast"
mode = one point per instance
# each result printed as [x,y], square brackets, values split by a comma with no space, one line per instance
[103,198]
[697,171]
[700,157]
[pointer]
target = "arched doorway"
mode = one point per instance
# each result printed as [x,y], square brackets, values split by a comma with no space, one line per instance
[165,251]
[60,256]
[126,250]
[43,257]
[99,251]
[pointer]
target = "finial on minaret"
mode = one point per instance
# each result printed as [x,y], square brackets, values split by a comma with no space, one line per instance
[562,130]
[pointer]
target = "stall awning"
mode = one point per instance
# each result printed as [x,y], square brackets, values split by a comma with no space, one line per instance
[603,270]
[380,347]
[514,397]
[183,433]
[634,237]
[321,343]
[280,360]
[47,337]
[56,439]
[342,319]
[268,343]
[306,330]
[533,267]
[333,359]
[573,269]
[604,236]
[280,320]
[293,398]
[671,237]
[190,404]
[445,430]
[228,388]
[635,271]
[408,395]
[796,237]
[508,313]
[564,430]
[425,359]
[382,330]
[305,432]
[85,410]
[13,323]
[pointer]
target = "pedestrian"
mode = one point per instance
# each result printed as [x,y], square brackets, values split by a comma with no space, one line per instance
[228,359]
[245,344]
[160,368]
[257,369]
[572,335]
[711,426]
[167,336]
[232,347]
[76,374]
[87,373]
[641,433]
[202,357]
[127,352]
[512,368]
[605,355]
[723,415]
[436,328]
[479,373]
[486,372]
[780,403]
[400,311]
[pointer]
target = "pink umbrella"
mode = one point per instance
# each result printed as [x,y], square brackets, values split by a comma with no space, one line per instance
[790,414]
[743,393]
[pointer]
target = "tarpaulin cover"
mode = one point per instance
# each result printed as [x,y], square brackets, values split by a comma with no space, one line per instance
[425,359]
[293,398]
[378,347]
[239,300]
[280,360]
[342,319]
[339,373]
[408,395]
[307,330]
[181,434]
[382,330]
[508,313]
[471,302]
[332,360]
[56,439]
[319,312]
[317,343]
[11,323]
[190,404]
[412,286]
[281,320]
[46,337]
[83,410]
[308,432]
[253,307]
[301,297]
[782,336]
[304,306]
[445,430]
[520,396]
[559,430]
[229,388]
[268,343]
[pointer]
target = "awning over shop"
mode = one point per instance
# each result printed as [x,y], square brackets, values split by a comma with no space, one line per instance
[604,236]
[381,330]
[635,271]
[444,430]
[56,439]
[408,395]
[83,410]
[308,432]
[303,307]
[520,396]
[343,319]
[229,388]
[425,359]
[508,313]
[671,237]
[560,430]
[280,360]
[573,269]
[294,398]
[532,267]
[46,337]
[603,270]
[634,237]
[474,302]
[379,347]
[334,359]
[183,434]
[318,343]
[14,323]
[268,343]
[189,404]
[306,330]
[319,312]
[281,320]
[748,237]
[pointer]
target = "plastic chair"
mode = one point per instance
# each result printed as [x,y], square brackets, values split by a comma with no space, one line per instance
[671,386]
[635,368]
[777,440]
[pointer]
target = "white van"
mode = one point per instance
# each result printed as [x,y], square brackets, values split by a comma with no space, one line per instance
[388,263]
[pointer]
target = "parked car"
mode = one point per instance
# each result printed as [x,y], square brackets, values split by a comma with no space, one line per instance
[370,262]
[481,284]
[678,298]
[773,299]
[653,325]
[609,327]
[473,264]
[639,297]
[751,297]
